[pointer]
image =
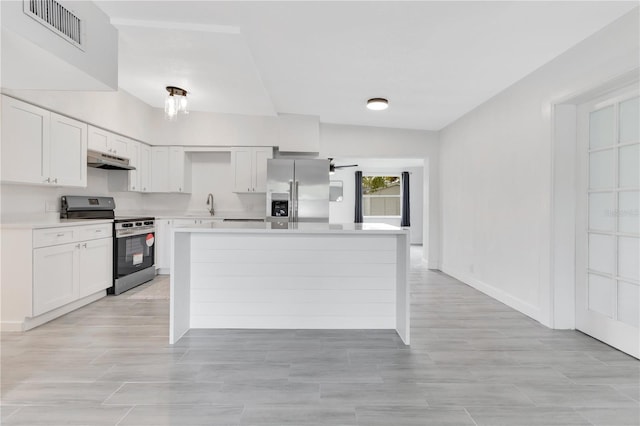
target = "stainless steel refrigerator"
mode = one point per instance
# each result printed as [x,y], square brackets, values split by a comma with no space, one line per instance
[298,190]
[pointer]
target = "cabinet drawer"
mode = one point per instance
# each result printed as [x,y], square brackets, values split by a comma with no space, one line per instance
[95,232]
[52,236]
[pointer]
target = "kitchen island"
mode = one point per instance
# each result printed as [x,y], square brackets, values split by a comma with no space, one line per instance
[290,276]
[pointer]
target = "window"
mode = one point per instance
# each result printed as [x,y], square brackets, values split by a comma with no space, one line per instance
[381,195]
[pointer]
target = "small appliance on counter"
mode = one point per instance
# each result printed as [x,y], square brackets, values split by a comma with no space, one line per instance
[133,239]
[297,190]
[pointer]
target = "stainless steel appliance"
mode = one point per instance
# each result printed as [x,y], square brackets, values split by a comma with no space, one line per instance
[100,160]
[133,239]
[297,190]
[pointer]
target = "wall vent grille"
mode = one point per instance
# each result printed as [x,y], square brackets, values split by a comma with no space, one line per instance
[58,19]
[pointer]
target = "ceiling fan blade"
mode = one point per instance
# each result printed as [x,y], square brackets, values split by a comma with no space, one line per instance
[346,165]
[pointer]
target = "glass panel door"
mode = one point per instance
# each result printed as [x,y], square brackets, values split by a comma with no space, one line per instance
[608,287]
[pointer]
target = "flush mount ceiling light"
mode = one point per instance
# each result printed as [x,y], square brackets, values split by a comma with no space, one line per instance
[176,103]
[377,104]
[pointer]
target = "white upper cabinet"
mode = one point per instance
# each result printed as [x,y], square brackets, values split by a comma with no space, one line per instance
[144,169]
[41,147]
[249,168]
[133,154]
[68,151]
[107,142]
[170,170]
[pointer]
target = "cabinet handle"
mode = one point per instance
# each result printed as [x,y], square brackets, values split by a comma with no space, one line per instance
[47,180]
[84,245]
[78,245]
[59,235]
[55,180]
[98,230]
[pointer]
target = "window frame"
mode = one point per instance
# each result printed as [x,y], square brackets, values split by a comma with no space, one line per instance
[399,196]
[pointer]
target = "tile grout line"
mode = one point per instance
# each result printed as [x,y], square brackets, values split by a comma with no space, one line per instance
[125,415]
[113,393]
[470,416]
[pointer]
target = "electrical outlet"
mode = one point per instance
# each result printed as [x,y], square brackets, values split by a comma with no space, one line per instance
[51,206]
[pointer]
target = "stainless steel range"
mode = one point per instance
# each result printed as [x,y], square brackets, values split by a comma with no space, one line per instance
[133,239]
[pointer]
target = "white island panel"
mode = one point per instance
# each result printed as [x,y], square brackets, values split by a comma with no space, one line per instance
[290,279]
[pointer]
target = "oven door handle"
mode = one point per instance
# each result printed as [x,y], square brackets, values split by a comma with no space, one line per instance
[122,233]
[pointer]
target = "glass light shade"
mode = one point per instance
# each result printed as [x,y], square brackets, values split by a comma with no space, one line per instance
[183,105]
[171,107]
[377,104]
[175,103]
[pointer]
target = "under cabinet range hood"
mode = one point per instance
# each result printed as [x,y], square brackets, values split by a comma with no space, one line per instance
[100,160]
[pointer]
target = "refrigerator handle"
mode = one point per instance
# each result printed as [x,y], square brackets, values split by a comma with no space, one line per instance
[291,198]
[296,207]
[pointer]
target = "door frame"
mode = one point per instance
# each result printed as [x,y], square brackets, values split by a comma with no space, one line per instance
[561,310]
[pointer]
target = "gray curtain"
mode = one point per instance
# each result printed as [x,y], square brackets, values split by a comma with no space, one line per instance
[406,210]
[358,210]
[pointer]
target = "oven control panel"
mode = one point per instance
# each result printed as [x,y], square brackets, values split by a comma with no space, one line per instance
[133,227]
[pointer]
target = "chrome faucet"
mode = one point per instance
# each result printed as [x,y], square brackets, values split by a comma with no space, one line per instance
[210,203]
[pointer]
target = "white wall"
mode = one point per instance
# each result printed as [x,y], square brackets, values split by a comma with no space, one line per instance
[496,173]
[203,128]
[22,201]
[116,111]
[34,57]
[343,141]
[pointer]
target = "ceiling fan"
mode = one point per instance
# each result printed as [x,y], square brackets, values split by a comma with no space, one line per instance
[333,167]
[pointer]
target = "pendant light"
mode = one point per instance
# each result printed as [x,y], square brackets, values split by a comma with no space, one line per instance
[175,103]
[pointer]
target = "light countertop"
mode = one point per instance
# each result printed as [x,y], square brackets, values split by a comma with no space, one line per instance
[198,214]
[42,222]
[285,227]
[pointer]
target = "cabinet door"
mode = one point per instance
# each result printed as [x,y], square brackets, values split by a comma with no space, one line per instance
[98,139]
[55,277]
[25,142]
[96,266]
[159,172]
[144,169]
[260,157]
[68,151]
[241,159]
[176,169]
[133,154]
[118,145]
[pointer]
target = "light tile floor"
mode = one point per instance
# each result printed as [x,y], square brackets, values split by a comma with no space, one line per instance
[473,361]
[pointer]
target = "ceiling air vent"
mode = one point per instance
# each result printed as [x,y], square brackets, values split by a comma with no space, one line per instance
[57,18]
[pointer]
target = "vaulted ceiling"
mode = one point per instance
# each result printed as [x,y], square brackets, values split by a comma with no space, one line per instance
[434,61]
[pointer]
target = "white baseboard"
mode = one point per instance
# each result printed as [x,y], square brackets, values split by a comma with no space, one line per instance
[496,293]
[30,323]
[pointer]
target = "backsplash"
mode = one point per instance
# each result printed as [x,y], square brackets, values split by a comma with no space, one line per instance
[211,174]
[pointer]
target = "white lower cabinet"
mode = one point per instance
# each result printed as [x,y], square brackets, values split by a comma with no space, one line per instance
[64,273]
[164,242]
[96,266]
[55,277]
[51,271]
